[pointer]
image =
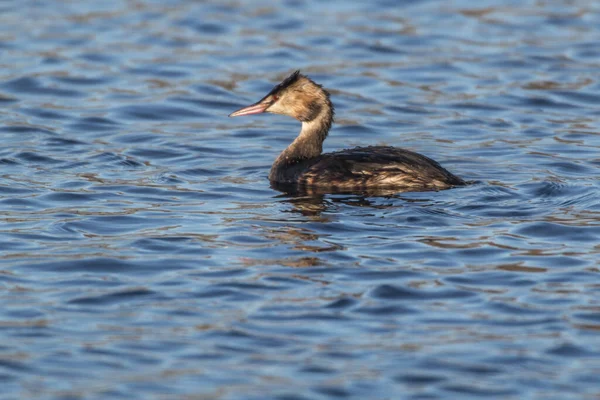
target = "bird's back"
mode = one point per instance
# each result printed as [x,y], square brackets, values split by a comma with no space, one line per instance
[367,167]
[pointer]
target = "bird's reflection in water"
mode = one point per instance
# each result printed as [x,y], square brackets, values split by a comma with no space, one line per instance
[316,245]
[312,202]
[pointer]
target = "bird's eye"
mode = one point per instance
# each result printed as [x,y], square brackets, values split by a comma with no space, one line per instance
[275,98]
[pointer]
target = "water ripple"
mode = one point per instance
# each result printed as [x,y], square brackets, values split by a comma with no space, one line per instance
[33,86]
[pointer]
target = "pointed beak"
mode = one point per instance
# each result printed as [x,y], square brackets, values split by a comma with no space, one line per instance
[255,108]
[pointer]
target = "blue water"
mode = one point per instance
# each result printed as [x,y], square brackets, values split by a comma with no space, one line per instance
[145,256]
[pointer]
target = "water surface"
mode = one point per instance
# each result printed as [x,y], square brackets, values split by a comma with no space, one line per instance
[144,254]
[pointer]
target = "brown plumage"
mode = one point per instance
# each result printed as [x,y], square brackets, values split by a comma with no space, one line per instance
[302,165]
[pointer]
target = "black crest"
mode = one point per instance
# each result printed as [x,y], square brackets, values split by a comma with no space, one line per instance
[286,82]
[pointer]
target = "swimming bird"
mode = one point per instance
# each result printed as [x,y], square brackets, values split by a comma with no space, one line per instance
[302,166]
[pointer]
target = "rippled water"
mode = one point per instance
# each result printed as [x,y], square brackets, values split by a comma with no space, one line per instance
[144,254]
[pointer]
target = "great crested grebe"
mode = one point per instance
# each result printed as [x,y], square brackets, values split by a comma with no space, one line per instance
[302,165]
